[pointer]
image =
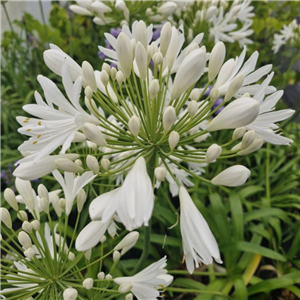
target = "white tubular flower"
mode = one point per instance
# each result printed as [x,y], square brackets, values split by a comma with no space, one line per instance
[238,113]
[92,163]
[134,125]
[124,54]
[88,73]
[72,184]
[212,153]
[141,60]
[199,244]
[136,198]
[165,37]
[55,127]
[68,165]
[127,242]
[147,283]
[80,11]
[5,217]
[93,133]
[10,198]
[189,72]
[232,176]
[216,60]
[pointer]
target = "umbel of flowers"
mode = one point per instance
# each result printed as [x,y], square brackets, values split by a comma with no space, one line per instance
[144,122]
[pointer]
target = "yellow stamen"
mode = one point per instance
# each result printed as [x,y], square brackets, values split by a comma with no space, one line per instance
[39,123]
[39,136]
[34,142]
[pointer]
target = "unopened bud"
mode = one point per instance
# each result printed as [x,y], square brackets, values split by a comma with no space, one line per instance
[153,88]
[104,77]
[93,133]
[67,165]
[160,173]
[213,152]
[173,139]
[81,198]
[36,224]
[105,163]
[106,67]
[141,60]
[44,205]
[88,283]
[157,58]
[238,133]
[192,108]
[214,94]
[120,77]
[256,144]
[127,242]
[88,254]
[169,118]
[22,215]
[125,287]
[5,217]
[116,256]
[88,74]
[103,239]
[129,297]
[165,37]
[195,94]
[78,162]
[62,203]
[43,192]
[79,137]
[134,125]
[234,86]
[10,198]
[101,275]
[92,163]
[216,60]
[108,277]
[24,239]
[70,294]
[113,73]
[248,138]
[29,253]
[26,226]
[71,256]
[88,93]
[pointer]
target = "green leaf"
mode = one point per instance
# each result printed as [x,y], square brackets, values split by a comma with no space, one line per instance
[275,283]
[266,212]
[237,216]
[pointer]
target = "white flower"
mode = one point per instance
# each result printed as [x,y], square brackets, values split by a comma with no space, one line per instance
[147,283]
[199,244]
[54,127]
[72,184]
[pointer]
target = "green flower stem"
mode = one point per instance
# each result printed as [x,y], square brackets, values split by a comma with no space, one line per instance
[268,193]
[196,273]
[7,17]
[183,290]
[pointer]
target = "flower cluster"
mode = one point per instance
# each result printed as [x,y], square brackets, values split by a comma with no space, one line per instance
[288,34]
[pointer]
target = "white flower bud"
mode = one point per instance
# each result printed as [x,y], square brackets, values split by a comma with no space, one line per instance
[81,198]
[93,133]
[256,144]
[169,118]
[160,173]
[44,205]
[238,133]
[101,275]
[234,86]
[116,256]
[192,108]
[103,239]
[173,139]
[78,162]
[113,73]
[236,147]
[248,138]
[125,287]
[157,58]
[104,77]
[24,239]
[70,294]
[195,94]
[120,5]
[216,60]
[225,72]
[232,176]
[212,153]
[5,217]
[36,224]
[29,253]
[106,67]
[167,8]
[134,125]
[88,92]
[214,94]
[71,256]
[62,203]
[80,11]
[43,192]
[141,60]
[26,226]
[88,254]
[124,53]
[247,95]
[190,35]
[165,37]
[120,77]
[153,88]
[67,165]
[108,277]
[189,72]
[22,215]
[88,74]
[105,163]
[55,204]
[238,113]
[92,163]
[211,11]
[129,297]
[127,242]
[88,283]
[151,50]
[10,198]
